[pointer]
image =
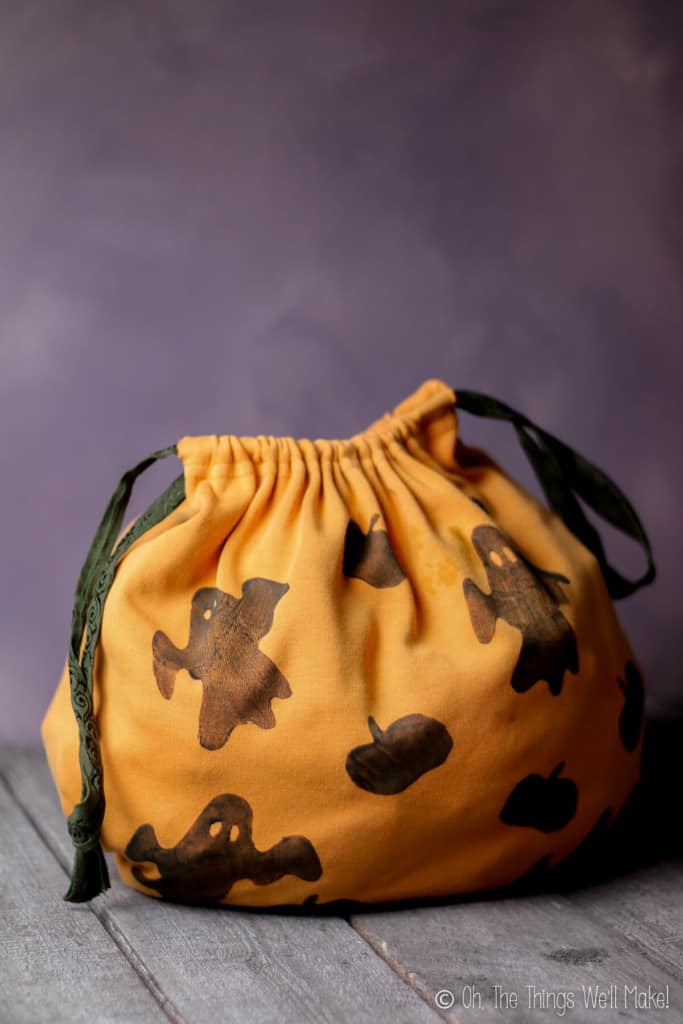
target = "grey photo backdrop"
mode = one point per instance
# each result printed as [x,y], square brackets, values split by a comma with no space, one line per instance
[224,217]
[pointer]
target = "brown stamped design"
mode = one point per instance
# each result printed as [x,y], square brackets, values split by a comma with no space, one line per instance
[216,852]
[526,597]
[370,556]
[540,802]
[399,755]
[238,680]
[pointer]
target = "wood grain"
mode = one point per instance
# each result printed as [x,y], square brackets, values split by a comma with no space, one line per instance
[544,941]
[58,962]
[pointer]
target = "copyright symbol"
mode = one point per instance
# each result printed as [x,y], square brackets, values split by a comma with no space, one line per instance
[444,999]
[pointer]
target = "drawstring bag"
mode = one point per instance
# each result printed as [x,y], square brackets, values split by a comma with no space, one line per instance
[365,669]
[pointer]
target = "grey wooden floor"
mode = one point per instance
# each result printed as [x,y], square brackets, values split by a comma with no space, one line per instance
[127,958]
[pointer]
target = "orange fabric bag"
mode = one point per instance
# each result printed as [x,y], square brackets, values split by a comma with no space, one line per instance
[365,669]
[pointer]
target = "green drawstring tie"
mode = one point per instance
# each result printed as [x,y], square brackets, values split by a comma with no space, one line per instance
[564,474]
[89,876]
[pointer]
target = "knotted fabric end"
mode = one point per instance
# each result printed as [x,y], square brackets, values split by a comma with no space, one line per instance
[89,876]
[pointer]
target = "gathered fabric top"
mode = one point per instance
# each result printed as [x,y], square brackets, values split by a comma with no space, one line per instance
[427,415]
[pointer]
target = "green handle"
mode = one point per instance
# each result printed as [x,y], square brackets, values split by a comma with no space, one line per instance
[563,474]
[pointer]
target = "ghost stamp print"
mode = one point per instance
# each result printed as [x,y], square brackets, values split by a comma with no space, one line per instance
[216,852]
[370,556]
[631,717]
[526,597]
[238,680]
[399,755]
[546,804]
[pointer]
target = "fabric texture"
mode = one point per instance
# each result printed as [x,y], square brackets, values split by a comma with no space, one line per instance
[371,669]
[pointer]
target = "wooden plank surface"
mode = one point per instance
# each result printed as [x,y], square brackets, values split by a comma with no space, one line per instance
[537,947]
[646,907]
[215,964]
[57,964]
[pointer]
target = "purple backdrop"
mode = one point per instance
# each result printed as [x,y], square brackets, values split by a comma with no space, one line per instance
[224,217]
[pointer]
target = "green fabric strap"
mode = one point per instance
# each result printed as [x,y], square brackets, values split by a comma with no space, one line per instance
[89,876]
[564,474]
